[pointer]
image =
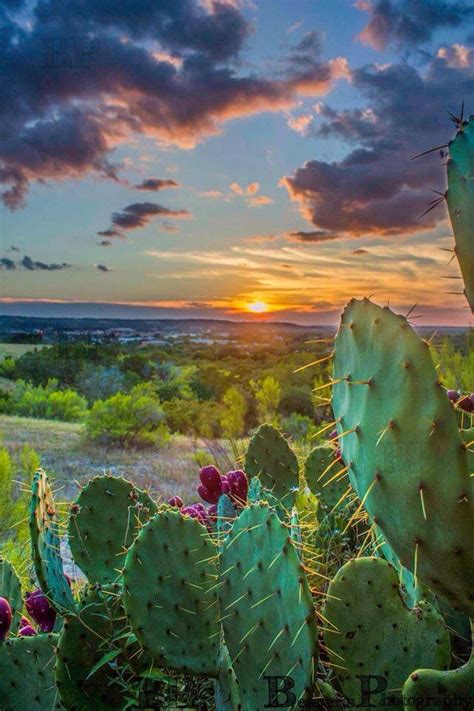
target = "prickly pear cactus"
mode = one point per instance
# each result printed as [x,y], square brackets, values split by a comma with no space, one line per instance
[27,674]
[460,199]
[266,607]
[270,457]
[325,477]
[370,631]
[103,522]
[10,589]
[408,462]
[225,515]
[45,545]
[432,690]
[87,640]
[170,593]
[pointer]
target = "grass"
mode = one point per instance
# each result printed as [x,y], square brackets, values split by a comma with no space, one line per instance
[15,350]
[64,454]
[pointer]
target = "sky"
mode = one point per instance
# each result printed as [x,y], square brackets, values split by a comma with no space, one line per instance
[229,159]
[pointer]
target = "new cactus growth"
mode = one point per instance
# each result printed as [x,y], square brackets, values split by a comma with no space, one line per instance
[370,631]
[270,458]
[266,607]
[460,199]
[45,545]
[407,460]
[170,593]
[103,522]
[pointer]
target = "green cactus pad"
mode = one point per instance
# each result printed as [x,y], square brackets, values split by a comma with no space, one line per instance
[45,545]
[370,631]
[266,607]
[227,692]
[408,463]
[10,589]
[330,488]
[432,690]
[460,199]
[255,490]
[270,457]
[168,575]
[226,513]
[27,674]
[103,523]
[87,639]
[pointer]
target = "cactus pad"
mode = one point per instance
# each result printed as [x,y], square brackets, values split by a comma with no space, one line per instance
[266,607]
[86,639]
[45,545]
[331,487]
[408,463]
[10,589]
[103,523]
[168,575]
[270,457]
[452,689]
[460,199]
[27,674]
[370,631]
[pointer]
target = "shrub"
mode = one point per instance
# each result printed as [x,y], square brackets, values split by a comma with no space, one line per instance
[298,427]
[135,419]
[233,417]
[46,402]
[101,382]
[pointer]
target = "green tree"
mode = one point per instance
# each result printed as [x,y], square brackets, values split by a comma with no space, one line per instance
[135,419]
[267,393]
[233,415]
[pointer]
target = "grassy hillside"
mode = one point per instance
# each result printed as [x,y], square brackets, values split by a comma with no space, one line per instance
[168,471]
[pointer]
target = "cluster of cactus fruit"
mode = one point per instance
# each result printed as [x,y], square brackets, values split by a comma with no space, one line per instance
[355,564]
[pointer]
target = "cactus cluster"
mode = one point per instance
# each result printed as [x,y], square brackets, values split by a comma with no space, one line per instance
[354,563]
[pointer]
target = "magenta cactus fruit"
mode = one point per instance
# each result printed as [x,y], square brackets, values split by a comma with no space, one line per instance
[24,622]
[453,395]
[212,512]
[27,631]
[238,487]
[466,403]
[5,618]
[38,607]
[176,502]
[209,495]
[210,477]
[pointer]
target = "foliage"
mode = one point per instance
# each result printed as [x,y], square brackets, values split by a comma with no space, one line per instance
[267,394]
[99,382]
[46,402]
[298,427]
[135,419]
[233,416]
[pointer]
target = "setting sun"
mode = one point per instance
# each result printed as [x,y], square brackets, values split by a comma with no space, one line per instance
[257,307]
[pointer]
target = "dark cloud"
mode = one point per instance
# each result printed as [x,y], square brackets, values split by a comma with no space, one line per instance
[139,214]
[407,23]
[13,248]
[376,188]
[33,265]
[156,184]
[6,263]
[314,236]
[102,267]
[360,251]
[76,90]
[104,243]
[109,233]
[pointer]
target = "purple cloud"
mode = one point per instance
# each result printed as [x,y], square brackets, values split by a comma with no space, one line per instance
[156,184]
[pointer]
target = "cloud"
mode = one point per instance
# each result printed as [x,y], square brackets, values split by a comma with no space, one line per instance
[212,194]
[407,23]
[13,248]
[61,121]
[156,184]
[300,124]
[102,267]
[6,263]
[376,188]
[259,200]
[104,243]
[139,214]
[360,251]
[34,265]
[314,236]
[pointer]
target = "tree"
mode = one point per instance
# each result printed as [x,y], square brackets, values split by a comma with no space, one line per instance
[267,393]
[233,416]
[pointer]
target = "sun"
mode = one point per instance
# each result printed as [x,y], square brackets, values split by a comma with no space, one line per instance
[257,307]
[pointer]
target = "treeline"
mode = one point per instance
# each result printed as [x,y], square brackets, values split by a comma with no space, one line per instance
[137,396]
